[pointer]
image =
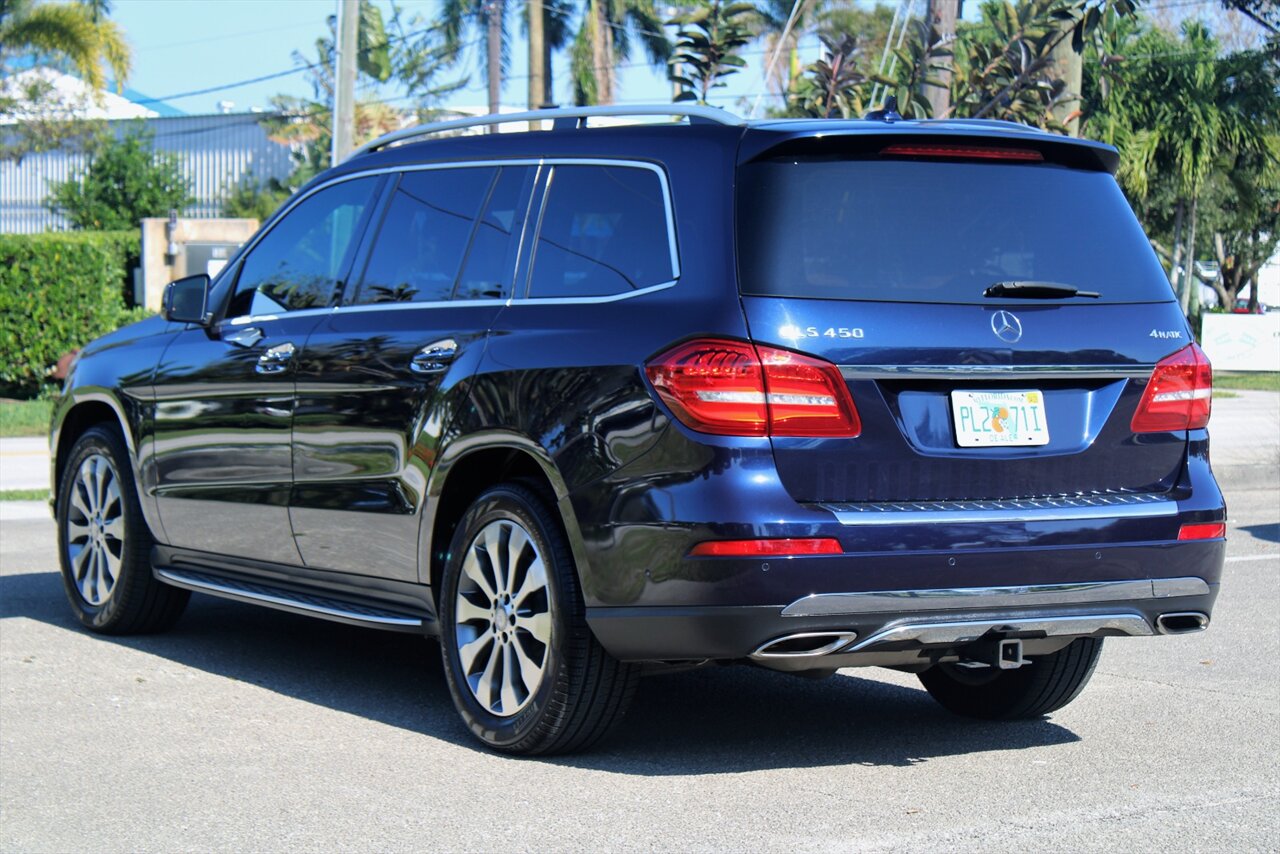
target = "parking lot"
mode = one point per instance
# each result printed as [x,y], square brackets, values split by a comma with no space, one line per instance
[248,729]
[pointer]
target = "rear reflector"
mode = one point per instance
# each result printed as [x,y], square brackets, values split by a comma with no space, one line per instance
[1178,395]
[1203,531]
[734,388]
[965,152]
[766,548]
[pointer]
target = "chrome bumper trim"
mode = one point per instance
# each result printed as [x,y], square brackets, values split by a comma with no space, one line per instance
[969,631]
[982,598]
[995,372]
[1101,506]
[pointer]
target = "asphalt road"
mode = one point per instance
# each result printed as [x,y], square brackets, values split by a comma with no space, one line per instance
[248,729]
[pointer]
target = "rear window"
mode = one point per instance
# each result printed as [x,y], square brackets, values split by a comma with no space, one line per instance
[920,231]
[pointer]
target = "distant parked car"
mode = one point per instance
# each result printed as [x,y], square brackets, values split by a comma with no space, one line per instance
[1242,307]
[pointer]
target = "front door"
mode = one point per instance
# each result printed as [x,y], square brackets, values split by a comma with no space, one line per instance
[225,395]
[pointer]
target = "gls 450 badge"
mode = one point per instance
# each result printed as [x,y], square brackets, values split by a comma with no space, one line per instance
[794,332]
[1164,333]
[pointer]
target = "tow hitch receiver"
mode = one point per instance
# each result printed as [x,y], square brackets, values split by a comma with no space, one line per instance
[1009,654]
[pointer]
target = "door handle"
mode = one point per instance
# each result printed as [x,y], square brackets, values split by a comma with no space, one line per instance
[245,336]
[276,359]
[435,357]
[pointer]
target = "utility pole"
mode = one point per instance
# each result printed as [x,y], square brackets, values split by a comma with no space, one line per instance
[493,13]
[537,60]
[941,17]
[344,90]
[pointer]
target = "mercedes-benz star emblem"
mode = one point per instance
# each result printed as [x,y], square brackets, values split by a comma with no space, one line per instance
[1006,326]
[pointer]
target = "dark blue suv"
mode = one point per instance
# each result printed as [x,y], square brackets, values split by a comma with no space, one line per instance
[594,401]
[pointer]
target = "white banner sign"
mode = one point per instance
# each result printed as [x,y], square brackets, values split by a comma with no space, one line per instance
[1242,342]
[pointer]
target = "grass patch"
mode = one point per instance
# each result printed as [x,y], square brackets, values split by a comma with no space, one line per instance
[25,417]
[1251,381]
[1222,394]
[23,494]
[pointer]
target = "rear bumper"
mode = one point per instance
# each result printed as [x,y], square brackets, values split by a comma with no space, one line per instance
[904,628]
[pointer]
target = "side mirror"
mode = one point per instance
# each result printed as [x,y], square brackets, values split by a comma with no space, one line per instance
[187,300]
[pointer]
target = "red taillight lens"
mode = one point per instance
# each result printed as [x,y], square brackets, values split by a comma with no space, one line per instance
[766,548]
[1179,394]
[965,152]
[732,388]
[1203,531]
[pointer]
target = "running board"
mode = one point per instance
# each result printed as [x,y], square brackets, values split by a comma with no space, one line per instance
[307,604]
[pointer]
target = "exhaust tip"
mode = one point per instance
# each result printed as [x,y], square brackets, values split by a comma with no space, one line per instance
[805,645]
[1182,623]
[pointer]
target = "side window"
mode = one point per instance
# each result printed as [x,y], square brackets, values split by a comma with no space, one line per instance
[424,235]
[489,268]
[603,232]
[296,265]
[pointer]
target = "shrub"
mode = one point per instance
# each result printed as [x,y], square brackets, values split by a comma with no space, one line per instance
[58,291]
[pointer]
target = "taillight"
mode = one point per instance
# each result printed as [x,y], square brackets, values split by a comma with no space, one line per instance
[732,388]
[1203,531]
[965,152]
[1178,395]
[767,548]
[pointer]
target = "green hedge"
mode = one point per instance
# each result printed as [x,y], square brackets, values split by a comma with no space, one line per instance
[58,291]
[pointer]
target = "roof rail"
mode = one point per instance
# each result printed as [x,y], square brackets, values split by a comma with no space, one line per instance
[690,111]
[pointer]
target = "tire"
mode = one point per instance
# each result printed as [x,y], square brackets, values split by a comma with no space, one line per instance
[104,545]
[525,672]
[1045,685]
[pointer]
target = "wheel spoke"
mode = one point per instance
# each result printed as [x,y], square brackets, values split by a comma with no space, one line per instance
[470,613]
[538,625]
[485,687]
[515,549]
[80,560]
[530,671]
[89,583]
[510,702]
[88,481]
[497,562]
[114,529]
[467,653]
[111,564]
[111,501]
[78,496]
[534,580]
[76,531]
[472,570]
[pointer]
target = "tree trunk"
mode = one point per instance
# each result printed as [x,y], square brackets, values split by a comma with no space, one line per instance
[1191,290]
[1175,278]
[941,16]
[494,46]
[1068,66]
[602,53]
[1227,284]
[548,82]
[537,59]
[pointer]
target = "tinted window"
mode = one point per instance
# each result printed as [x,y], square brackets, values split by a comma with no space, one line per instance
[937,231]
[296,265]
[604,232]
[489,268]
[424,235]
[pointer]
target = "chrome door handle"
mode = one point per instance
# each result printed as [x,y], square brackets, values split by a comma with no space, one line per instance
[245,336]
[276,359]
[435,357]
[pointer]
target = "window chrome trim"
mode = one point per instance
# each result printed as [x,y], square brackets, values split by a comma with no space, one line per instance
[979,598]
[995,372]
[668,208]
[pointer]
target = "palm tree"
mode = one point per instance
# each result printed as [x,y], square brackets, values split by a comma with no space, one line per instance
[488,19]
[66,32]
[605,38]
[771,18]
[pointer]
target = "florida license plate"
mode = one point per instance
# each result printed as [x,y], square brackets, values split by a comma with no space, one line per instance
[986,418]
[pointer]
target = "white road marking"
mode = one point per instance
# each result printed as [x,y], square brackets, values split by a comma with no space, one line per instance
[1242,558]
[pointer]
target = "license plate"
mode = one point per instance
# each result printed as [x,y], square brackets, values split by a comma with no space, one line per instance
[1000,418]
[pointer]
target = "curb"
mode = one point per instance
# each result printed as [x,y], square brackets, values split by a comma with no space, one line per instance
[1244,476]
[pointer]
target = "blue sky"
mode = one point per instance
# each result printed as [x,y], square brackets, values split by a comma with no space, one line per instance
[185,45]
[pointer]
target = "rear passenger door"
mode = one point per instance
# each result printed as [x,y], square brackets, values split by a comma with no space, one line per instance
[378,378]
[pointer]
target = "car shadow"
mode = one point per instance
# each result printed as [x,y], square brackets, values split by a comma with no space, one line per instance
[1269,532]
[715,720]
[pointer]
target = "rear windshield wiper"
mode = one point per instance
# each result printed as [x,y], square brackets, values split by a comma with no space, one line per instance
[1036,290]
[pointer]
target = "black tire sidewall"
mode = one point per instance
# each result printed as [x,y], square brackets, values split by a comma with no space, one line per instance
[104,617]
[524,729]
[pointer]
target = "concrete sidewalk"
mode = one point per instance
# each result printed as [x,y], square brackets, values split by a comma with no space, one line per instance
[1245,434]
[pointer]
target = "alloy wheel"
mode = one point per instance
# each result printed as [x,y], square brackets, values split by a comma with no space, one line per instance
[95,529]
[502,618]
